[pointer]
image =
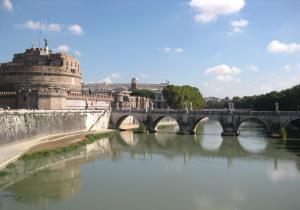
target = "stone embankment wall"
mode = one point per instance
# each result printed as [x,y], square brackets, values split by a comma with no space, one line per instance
[22,124]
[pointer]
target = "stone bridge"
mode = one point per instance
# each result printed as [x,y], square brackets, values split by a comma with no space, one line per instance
[188,120]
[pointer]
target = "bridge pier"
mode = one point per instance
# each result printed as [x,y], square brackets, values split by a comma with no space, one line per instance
[229,130]
[187,121]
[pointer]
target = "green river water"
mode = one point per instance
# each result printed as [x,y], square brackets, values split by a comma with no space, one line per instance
[163,171]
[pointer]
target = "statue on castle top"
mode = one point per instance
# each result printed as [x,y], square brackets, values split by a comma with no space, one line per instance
[46,43]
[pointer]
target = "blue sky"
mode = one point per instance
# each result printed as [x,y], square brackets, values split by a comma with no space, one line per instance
[223,47]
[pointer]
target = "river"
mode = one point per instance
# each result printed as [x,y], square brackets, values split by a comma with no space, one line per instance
[163,171]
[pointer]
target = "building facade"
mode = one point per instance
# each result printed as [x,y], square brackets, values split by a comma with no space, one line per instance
[41,79]
[122,89]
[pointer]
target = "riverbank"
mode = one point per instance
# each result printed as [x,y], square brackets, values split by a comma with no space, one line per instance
[9,153]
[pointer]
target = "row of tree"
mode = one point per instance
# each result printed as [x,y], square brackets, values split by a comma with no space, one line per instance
[180,97]
[288,99]
[143,93]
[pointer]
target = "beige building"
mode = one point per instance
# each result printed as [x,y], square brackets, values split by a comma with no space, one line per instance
[123,100]
[41,79]
[158,102]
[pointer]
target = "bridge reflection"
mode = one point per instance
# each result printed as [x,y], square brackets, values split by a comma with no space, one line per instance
[62,180]
[211,146]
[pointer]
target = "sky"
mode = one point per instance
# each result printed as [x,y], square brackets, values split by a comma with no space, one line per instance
[223,47]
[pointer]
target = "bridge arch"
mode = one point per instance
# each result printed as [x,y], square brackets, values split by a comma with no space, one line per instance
[196,123]
[292,129]
[122,118]
[254,119]
[158,119]
[290,120]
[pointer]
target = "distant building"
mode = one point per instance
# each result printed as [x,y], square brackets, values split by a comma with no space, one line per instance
[134,83]
[158,102]
[41,79]
[123,100]
[213,102]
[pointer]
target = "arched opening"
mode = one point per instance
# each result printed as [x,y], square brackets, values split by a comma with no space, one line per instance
[128,122]
[253,127]
[253,135]
[293,128]
[209,131]
[166,124]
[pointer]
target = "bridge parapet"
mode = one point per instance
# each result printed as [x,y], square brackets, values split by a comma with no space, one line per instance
[229,120]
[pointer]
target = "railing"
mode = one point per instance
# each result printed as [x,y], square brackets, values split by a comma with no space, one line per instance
[212,112]
[8,93]
[90,96]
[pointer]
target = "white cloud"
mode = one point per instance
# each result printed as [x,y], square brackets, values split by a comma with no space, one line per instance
[237,25]
[76,29]
[279,47]
[224,73]
[56,27]
[63,48]
[209,10]
[111,77]
[222,70]
[35,25]
[32,25]
[252,67]
[77,53]
[171,50]
[225,78]
[7,5]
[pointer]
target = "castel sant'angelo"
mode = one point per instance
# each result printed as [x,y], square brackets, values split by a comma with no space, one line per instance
[42,79]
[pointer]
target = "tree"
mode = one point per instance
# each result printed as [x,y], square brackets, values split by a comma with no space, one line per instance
[288,99]
[125,98]
[178,97]
[143,93]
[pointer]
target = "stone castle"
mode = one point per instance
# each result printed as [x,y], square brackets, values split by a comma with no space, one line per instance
[42,79]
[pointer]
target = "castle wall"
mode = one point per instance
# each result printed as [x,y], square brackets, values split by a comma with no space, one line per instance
[48,103]
[12,77]
[23,124]
[44,80]
[8,100]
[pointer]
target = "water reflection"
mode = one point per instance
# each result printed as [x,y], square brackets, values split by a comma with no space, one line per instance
[210,132]
[59,182]
[164,171]
[129,138]
[253,137]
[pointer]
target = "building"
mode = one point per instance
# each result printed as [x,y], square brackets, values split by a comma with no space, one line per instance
[158,102]
[42,79]
[123,100]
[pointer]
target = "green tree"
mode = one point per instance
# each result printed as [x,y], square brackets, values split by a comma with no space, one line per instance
[178,97]
[143,93]
[288,99]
